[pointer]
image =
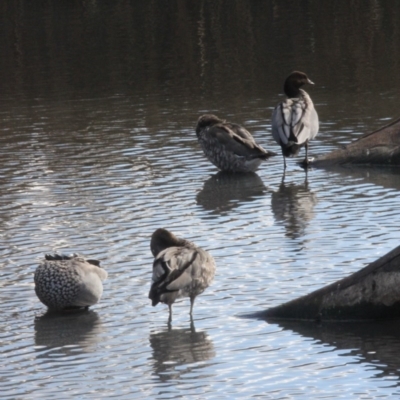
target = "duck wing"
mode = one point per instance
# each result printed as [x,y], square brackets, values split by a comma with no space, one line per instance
[240,131]
[171,271]
[237,140]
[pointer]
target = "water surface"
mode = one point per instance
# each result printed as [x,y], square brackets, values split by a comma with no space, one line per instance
[98,107]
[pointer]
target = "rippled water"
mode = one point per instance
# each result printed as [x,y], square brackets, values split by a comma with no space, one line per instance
[97,174]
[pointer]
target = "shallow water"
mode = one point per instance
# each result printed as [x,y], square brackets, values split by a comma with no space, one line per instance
[98,150]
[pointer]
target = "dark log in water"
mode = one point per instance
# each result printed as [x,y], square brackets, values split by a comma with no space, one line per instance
[381,147]
[369,294]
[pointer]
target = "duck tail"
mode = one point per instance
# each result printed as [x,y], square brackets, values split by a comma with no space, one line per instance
[154,295]
[266,155]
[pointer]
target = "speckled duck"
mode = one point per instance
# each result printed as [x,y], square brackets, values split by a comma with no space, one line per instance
[180,269]
[229,146]
[69,282]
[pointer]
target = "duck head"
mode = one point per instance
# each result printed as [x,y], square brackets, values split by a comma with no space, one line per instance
[207,120]
[163,239]
[294,82]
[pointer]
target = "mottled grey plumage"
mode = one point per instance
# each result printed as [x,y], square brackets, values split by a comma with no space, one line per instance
[67,282]
[294,120]
[180,269]
[230,147]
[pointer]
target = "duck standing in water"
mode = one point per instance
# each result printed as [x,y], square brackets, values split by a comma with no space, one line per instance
[229,146]
[294,120]
[69,282]
[180,269]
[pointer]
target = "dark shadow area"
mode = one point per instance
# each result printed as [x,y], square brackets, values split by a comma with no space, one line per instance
[387,177]
[376,344]
[81,48]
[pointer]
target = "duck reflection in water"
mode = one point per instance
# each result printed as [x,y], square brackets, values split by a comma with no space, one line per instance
[175,348]
[60,331]
[293,206]
[224,191]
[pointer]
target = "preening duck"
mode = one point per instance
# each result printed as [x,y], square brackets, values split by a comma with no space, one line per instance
[229,146]
[294,120]
[69,282]
[180,269]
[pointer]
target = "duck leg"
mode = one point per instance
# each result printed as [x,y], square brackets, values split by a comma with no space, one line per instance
[284,160]
[170,313]
[191,304]
[283,177]
[192,327]
[306,159]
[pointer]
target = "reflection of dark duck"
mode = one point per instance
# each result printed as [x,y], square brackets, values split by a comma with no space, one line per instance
[178,347]
[69,282]
[59,330]
[224,191]
[294,120]
[293,206]
[230,147]
[180,269]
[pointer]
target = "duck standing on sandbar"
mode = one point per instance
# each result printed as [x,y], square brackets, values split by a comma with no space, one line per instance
[180,269]
[229,146]
[294,120]
[65,283]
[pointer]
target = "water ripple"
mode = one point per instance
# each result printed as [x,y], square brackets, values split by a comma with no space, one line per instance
[273,240]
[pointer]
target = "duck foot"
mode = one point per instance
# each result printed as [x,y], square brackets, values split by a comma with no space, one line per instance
[307,162]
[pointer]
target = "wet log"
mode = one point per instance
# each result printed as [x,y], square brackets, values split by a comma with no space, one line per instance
[369,294]
[381,147]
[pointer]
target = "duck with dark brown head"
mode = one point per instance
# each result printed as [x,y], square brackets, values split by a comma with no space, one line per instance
[294,120]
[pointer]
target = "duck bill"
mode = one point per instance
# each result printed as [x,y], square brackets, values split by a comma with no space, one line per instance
[310,81]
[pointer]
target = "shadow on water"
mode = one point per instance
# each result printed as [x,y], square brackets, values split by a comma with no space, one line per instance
[173,348]
[382,176]
[58,331]
[224,191]
[377,344]
[293,207]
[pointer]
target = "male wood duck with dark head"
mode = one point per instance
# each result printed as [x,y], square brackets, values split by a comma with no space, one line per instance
[294,120]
